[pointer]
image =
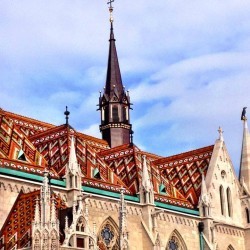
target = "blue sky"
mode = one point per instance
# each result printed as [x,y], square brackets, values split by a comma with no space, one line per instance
[185,63]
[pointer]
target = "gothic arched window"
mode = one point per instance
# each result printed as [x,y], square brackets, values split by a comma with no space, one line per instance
[222,199]
[37,243]
[230,247]
[125,114]
[54,240]
[115,114]
[106,114]
[108,235]
[247,215]
[229,202]
[45,242]
[80,226]
[176,242]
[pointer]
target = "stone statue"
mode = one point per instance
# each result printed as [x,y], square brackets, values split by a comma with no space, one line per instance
[243,115]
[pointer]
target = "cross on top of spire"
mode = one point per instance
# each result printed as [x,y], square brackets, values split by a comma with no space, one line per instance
[110,10]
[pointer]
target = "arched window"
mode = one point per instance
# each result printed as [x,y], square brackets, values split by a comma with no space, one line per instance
[222,200]
[176,242]
[230,247]
[229,202]
[247,215]
[54,240]
[125,115]
[80,226]
[45,242]
[37,243]
[106,113]
[108,237]
[115,114]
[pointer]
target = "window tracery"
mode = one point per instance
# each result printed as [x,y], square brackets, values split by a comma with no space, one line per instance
[37,241]
[45,241]
[54,240]
[80,226]
[108,236]
[176,242]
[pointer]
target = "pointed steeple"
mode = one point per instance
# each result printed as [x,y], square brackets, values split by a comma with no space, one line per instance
[37,212]
[204,194]
[73,175]
[245,155]
[53,218]
[73,166]
[146,187]
[114,103]
[146,183]
[45,199]
[123,233]
[114,79]
[204,200]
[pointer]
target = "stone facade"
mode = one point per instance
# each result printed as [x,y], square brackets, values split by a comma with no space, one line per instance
[61,189]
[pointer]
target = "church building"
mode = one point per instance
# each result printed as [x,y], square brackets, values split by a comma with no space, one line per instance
[62,189]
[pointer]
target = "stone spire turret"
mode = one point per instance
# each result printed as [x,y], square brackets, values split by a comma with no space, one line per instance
[45,199]
[146,188]
[45,226]
[245,154]
[123,233]
[204,200]
[37,219]
[73,175]
[114,102]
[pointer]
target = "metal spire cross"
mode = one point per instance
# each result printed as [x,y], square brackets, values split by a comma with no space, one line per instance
[110,3]
[110,10]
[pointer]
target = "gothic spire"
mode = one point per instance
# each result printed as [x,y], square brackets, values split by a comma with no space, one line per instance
[146,182]
[37,212]
[114,79]
[114,104]
[245,154]
[45,198]
[73,166]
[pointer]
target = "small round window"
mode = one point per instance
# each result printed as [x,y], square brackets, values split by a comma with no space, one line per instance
[223,175]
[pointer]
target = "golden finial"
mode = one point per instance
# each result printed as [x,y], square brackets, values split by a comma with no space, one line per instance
[111,10]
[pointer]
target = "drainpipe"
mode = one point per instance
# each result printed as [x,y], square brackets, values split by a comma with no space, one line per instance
[201,229]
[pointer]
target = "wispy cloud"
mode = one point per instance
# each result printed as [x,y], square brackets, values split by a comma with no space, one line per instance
[186,65]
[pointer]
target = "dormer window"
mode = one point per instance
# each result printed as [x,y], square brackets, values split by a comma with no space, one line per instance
[21,156]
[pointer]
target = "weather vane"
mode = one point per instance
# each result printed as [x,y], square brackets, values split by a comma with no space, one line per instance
[110,10]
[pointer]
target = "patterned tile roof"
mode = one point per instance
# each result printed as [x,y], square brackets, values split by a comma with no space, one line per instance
[184,171]
[28,126]
[16,231]
[106,168]
[126,162]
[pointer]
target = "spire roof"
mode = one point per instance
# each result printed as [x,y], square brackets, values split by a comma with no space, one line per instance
[245,156]
[114,79]
[146,182]
[73,165]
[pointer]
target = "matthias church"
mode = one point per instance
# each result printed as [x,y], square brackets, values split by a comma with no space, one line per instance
[62,189]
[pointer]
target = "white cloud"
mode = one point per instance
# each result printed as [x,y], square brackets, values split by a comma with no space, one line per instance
[185,62]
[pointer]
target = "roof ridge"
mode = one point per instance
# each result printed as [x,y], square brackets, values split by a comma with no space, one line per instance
[184,154]
[26,118]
